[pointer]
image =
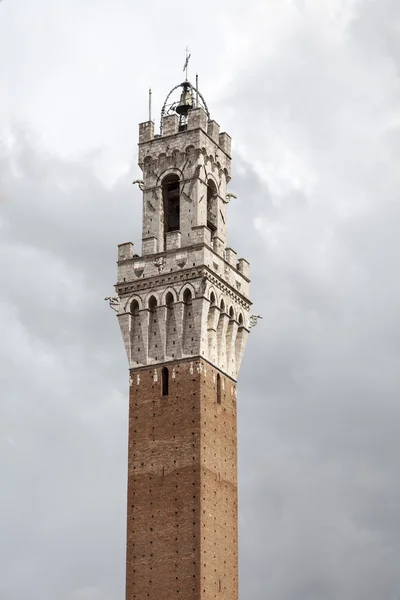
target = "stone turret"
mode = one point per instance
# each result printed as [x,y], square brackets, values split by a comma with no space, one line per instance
[187,294]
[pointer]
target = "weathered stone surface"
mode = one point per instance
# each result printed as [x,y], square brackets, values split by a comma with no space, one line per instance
[210,280]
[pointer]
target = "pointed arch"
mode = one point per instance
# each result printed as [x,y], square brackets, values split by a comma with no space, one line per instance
[172,343]
[187,296]
[169,299]
[152,303]
[239,340]
[212,319]
[134,307]
[221,334]
[136,332]
[188,322]
[230,341]
[212,205]
[169,291]
[153,350]
[128,303]
[187,286]
[170,186]
[213,298]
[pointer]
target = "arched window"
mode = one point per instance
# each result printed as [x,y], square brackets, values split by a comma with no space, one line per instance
[211,206]
[187,296]
[134,308]
[221,338]
[211,328]
[136,337]
[230,339]
[171,198]
[152,304]
[164,377]
[219,388]
[153,350]
[188,322]
[172,341]
[169,301]
[239,341]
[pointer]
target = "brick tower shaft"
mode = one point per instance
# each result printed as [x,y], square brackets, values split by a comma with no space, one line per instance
[182,485]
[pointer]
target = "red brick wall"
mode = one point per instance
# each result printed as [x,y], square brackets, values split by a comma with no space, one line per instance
[182,487]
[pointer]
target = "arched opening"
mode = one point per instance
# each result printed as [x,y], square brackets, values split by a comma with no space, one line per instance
[239,341]
[211,206]
[172,342]
[165,377]
[152,304]
[211,328]
[136,336]
[188,322]
[134,308]
[171,199]
[153,350]
[230,341]
[218,389]
[187,297]
[169,301]
[221,335]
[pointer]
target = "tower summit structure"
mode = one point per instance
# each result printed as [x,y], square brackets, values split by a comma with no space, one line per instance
[183,308]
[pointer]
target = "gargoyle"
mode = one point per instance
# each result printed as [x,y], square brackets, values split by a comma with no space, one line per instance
[140,183]
[253,320]
[114,302]
[228,197]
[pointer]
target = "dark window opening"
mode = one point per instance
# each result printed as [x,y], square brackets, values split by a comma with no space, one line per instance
[135,308]
[187,298]
[211,206]
[153,305]
[171,197]
[165,381]
[218,389]
[169,300]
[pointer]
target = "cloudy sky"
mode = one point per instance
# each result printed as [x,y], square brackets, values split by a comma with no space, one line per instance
[310,92]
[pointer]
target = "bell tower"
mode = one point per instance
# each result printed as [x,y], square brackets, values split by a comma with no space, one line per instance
[183,308]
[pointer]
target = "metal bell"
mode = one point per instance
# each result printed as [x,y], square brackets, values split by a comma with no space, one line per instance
[186,101]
